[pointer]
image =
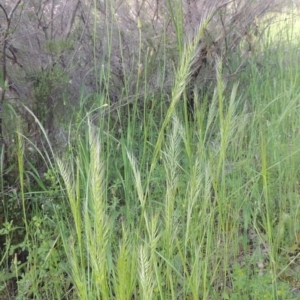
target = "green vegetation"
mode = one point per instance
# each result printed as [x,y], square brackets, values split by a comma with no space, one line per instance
[151,202]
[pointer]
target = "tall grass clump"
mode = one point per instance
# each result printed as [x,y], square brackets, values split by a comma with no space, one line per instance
[88,244]
[91,243]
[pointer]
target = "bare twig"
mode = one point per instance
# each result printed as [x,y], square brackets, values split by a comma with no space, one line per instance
[71,20]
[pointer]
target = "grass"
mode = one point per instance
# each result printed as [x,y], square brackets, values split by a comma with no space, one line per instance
[156,206]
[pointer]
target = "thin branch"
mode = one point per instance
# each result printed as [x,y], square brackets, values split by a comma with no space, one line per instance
[51,18]
[13,10]
[4,70]
[71,20]
[6,16]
